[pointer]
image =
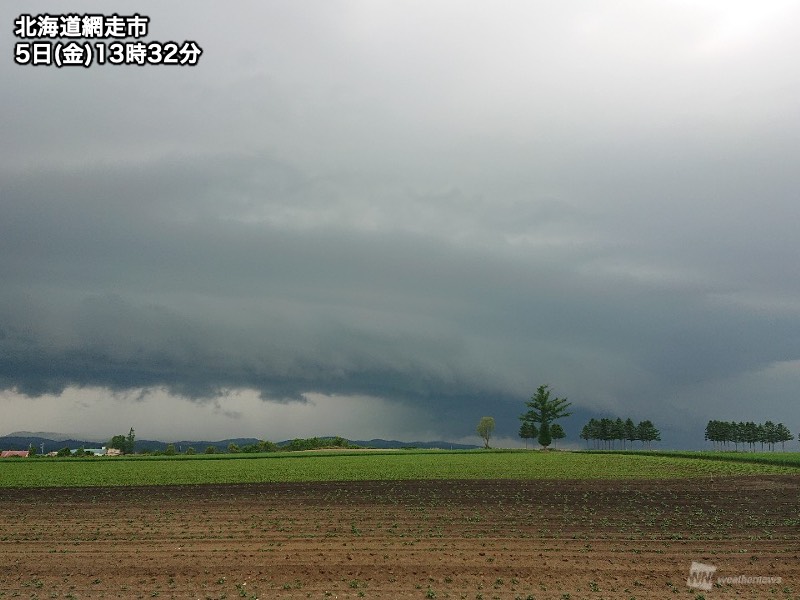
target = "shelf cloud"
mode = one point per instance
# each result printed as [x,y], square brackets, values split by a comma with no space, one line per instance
[429,208]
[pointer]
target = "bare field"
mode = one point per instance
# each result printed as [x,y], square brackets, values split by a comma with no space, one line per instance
[492,539]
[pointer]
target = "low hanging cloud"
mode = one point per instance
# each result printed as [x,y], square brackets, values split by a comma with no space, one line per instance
[442,227]
[208,304]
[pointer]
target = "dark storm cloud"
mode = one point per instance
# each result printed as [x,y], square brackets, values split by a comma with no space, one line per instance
[117,283]
[384,199]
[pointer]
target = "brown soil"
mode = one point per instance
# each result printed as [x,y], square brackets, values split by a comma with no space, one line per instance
[409,539]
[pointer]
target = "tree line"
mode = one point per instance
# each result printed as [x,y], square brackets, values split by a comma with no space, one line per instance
[127,444]
[604,432]
[724,433]
[295,445]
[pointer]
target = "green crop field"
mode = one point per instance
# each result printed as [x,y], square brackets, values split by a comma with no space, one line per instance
[786,459]
[384,465]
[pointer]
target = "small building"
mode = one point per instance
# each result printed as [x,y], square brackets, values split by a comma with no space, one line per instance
[10,453]
[113,452]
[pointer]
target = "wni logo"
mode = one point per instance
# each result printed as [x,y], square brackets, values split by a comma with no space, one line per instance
[701,576]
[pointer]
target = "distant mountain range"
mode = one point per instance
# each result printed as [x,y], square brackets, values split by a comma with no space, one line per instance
[22,440]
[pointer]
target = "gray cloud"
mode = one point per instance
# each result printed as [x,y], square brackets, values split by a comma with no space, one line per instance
[442,206]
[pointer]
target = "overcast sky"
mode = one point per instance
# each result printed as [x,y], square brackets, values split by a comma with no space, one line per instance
[390,218]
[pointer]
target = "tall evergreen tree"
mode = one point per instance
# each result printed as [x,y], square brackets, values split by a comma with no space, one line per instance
[783,435]
[618,431]
[543,411]
[606,432]
[770,434]
[586,434]
[712,433]
[130,442]
[751,434]
[630,431]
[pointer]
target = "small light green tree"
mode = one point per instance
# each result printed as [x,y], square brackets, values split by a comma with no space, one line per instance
[486,429]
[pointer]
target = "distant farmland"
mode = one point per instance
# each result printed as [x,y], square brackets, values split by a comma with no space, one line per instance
[380,466]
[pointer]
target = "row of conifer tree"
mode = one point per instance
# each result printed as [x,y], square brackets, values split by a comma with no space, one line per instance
[724,433]
[605,432]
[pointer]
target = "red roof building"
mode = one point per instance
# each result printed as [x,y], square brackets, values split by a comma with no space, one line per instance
[10,453]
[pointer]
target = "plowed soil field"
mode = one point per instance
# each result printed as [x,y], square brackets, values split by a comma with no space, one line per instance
[406,539]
